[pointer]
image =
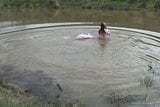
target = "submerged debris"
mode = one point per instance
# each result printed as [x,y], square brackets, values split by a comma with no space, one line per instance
[123,97]
[117,97]
[150,67]
[12,87]
[59,87]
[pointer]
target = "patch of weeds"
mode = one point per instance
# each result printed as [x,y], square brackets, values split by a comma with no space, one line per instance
[8,99]
[148,82]
[69,104]
[75,104]
[117,97]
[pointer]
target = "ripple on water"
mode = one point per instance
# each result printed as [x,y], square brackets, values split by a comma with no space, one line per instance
[89,70]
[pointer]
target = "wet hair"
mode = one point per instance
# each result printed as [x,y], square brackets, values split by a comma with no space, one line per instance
[102,29]
[103,26]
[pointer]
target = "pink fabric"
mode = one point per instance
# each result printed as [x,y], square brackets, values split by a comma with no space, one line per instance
[83,36]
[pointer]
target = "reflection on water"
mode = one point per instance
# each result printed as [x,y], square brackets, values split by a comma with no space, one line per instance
[103,44]
[135,19]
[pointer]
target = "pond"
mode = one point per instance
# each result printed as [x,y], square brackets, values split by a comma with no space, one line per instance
[47,60]
[148,20]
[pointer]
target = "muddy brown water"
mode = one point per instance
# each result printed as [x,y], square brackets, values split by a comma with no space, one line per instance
[50,63]
[148,20]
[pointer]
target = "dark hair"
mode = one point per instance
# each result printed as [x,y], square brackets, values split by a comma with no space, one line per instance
[103,26]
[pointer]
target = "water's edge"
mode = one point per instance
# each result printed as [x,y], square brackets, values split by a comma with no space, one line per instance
[49,25]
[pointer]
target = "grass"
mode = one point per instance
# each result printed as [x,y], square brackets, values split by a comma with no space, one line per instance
[113,4]
[12,95]
[127,97]
[28,3]
[124,96]
[89,4]
[148,82]
[9,99]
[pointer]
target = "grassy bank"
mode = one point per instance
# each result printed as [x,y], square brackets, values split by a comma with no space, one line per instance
[10,99]
[115,4]
[30,3]
[12,95]
[96,4]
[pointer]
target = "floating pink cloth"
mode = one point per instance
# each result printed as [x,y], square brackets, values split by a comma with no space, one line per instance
[83,36]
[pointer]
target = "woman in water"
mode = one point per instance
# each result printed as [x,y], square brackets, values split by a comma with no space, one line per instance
[103,32]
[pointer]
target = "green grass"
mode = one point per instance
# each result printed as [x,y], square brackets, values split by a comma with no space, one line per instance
[12,95]
[27,3]
[10,99]
[113,4]
[147,82]
[89,4]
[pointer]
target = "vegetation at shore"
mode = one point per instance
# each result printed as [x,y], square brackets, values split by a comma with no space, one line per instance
[89,4]
[116,4]
[12,95]
[9,98]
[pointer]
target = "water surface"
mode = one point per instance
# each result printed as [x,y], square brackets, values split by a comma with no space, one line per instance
[148,20]
[39,56]
[90,71]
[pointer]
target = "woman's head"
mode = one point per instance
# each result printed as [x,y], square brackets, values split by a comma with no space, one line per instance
[103,25]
